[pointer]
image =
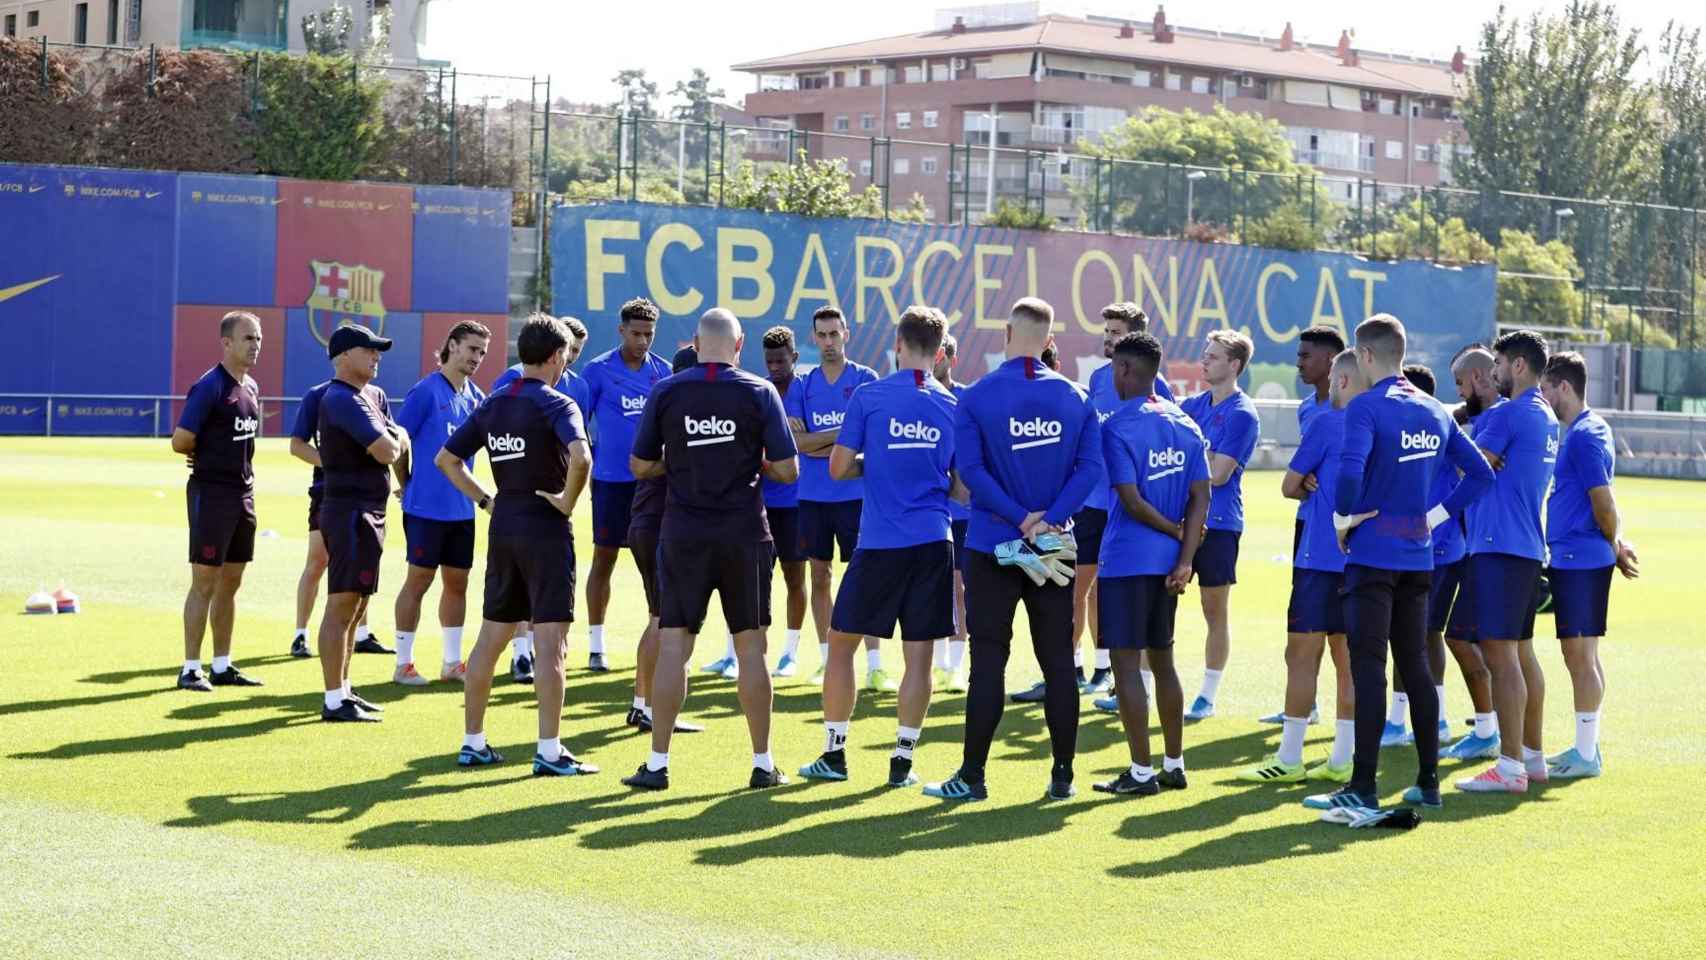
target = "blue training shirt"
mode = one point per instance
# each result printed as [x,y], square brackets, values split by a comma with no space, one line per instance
[1106,400]
[957,511]
[1319,453]
[1394,438]
[904,425]
[432,410]
[570,384]
[822,405]
[1026,439]
[307,429]
[615,399]
[1523,431]
[1307,408]
[1231,427]
[1586,459]
[1156,446]
[781,496]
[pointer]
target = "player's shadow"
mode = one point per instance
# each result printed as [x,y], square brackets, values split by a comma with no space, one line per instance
[167,739]
[169,674]
[535,822]
[71,703]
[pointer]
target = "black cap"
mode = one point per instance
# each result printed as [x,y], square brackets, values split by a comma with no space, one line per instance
[350,336]
[684,358]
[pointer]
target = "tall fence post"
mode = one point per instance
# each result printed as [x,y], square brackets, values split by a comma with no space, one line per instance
[255,94]
[153,67]
[710,126]
[44,71]
[455,137]
[722,158]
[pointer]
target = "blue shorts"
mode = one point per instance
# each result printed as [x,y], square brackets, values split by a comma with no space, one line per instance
[1135,613]
[612,510]
[1579,601]
[912,585]
[1506,591]
[439,543]
[1442,591]
[1317,602]
[785,533]
[826,524]
[959,528]
[1216,561]
[1088,525]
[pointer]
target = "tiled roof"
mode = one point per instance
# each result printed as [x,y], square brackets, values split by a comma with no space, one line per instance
[1102,39]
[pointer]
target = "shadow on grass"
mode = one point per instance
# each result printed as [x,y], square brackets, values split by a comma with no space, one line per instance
[170,673]
[69,703]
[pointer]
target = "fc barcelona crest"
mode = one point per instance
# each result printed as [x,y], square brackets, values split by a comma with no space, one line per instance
[344,295]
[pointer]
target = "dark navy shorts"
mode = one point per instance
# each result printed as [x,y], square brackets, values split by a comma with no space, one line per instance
[785,533]
[1317,602]
[960,553]
[313,510]
[439,543]
[910,585]
[1088,525]
[355,540]
[531,577]
[689,571]
[643,544]
[1216,561]
[1135,613]
[222,524]
[1506,591]
[612,509]
[1442,592]
[826,525]
[1580,599]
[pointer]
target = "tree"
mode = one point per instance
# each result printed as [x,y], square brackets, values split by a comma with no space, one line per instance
[321,119]
[1526,292]
[811,188]
[1017,216]
[1417,233]
[698,98]
[638,94]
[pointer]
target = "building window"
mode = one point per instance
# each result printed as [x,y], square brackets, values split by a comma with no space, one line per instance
[913,74]
[1199,84]
[80,24]
[32,19]
[903,120]
[864,77]
[841,124]
[864,168]
[927,166]
[112,23]
[839,79]
[11,24]
[1173,80]
[1394,149]
[902,166]
[930,118]
[867,121]
[1424,153]
[1142,78]
[940,72]
[813,81]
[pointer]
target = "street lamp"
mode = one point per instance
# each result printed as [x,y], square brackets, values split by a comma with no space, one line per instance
[1190,192]
[1558,221]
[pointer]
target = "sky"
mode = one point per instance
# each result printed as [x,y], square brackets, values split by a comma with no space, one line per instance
[581,44]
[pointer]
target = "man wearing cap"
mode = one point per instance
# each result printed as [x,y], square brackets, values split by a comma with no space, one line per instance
[358,440]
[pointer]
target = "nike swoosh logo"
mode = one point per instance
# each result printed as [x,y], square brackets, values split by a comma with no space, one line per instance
[37,189]
[151,194]
[8,293]
[28,411]
[278,201]
[385,206]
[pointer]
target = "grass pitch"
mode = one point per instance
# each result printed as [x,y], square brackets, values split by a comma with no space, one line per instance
[138,821]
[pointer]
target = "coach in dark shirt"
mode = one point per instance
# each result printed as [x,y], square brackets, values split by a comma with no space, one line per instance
[358,440]
[216,432]
[535,441]
[713,429]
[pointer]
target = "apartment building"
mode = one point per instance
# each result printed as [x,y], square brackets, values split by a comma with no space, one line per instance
[1011,75]
[240,24]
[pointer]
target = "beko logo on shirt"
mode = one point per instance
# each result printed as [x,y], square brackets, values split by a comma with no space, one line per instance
[710,430]
[1103,417]
[1551,449]
[1167,462]
[505,446]
[633,406]
[1426,444]
[1046,431]
[916,435]
[824,421]
[243,428]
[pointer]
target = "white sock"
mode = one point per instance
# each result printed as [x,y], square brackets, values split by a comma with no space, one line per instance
[939,654]
[1173,763]
[1533,761]
[1291,740]
[405,647]
[362,633]
[1103,661]
[522,644]
[1486,725]
[345,689]
[873,660]
[551,749]
[301,633]
[639,703]
[1587,735]
[792,645]
[1344,742]
[906,741]
[1141,772]
[221,664]
[1078,657]
[648,711]
[763,762]
[474,741]
[657,761]
[834,736]
[1510,766]
[595,638]
[1439,691]
[452,644]
[1210,684]
[191,665]
[823,653]
[1148,684]
[334,698]
[1399,709]
[956,654]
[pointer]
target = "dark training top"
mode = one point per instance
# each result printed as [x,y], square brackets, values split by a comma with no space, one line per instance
[350,420]
[527,429]
[224,415]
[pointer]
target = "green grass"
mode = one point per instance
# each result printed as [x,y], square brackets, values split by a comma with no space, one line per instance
[136,821]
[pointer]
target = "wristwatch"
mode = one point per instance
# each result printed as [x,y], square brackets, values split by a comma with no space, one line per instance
[485,502]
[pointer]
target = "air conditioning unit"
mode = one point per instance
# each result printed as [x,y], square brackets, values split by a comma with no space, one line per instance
[1246,81]
[954,176]
[961,63]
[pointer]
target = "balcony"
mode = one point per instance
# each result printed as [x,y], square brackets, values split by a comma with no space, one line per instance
[1328,160]
[233,24]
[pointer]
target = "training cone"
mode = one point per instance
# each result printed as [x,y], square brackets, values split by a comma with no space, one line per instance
[41,603]
[65,601]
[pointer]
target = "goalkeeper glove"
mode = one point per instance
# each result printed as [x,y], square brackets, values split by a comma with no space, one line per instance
[1041,569]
